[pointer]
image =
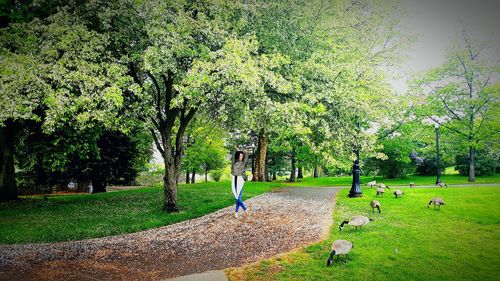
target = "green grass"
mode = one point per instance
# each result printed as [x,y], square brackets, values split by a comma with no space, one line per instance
[75,217]
[407,241]
[418,180]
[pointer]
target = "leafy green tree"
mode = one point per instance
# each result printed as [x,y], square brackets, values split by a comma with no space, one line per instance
[57,72]
[205,151]
[462,95]
[191,62]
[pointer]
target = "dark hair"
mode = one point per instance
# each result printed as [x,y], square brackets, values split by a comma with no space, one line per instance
[237,155]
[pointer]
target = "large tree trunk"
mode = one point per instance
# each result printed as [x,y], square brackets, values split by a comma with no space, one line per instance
[193,177]
[98,185]
[187,177]
[206,175]
[266,171]
[82,185]
[8,187]
[253,165]
[274,176]
[292,170]
[261,157]
[164,123]
[170,185]
[472,167]
[315,173]
[300,175]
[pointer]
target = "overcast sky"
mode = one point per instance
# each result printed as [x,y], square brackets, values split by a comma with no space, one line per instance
[437,23]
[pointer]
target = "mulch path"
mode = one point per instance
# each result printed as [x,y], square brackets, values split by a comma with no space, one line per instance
[279,222]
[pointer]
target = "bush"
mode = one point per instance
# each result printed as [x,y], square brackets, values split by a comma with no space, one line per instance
[486,163]
[427,166]
[216,175]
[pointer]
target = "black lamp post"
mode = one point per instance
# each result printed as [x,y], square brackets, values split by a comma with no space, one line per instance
[438,177]
[355,187]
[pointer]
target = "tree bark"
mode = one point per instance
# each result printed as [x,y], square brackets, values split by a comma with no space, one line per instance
[300,175]
[315,173]
[266,171]
[255,163]
[261,157]
[170,185]
[187,177]
[254,174]
[206,176]
[274,176]
[193,177]
[472,167]
[98,185]
[82,185]
[8,187]
[292,170]
[163,132]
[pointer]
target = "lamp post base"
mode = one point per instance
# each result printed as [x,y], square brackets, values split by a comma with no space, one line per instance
[354,195]
[355,188]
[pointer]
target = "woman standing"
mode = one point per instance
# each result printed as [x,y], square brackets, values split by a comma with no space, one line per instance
[237,173]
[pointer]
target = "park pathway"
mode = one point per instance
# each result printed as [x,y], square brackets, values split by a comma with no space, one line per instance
[280,221]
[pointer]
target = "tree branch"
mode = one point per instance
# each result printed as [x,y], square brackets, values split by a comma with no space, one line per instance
[398,126]
[449,109]
[157,142]
[168,82]
[158,97]
[449,128]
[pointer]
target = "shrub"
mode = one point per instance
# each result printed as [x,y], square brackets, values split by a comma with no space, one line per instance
[427,166]
[486,163]
[216,175]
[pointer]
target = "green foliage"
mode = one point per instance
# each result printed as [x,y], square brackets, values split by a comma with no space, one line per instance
[427,166]
[59,66]
[463,94]
[216,175]
[205,149]
[44,160]
[487,162]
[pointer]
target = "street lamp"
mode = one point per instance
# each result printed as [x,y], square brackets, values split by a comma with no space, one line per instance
[438,177]
[355,187]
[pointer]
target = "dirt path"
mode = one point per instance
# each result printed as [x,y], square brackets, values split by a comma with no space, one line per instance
[279,222]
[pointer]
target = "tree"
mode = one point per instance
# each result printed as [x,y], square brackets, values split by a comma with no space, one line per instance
[205,151]
[55,71]
[465,93]
[285,31]
[191,62]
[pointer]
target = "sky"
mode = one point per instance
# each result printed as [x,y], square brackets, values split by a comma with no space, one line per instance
[437,24]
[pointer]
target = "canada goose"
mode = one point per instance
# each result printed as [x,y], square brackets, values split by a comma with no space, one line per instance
[356,221]
[375,204]
[437,202]
[412,184]
[339,247]
[372,183]
[381,185]
[380,191]
[398,193]
[441,184]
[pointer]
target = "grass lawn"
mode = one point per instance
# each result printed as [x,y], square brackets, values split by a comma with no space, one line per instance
[418,180]
[407,241]
[75,217]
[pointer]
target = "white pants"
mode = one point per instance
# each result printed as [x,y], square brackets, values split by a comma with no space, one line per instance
[237,185]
